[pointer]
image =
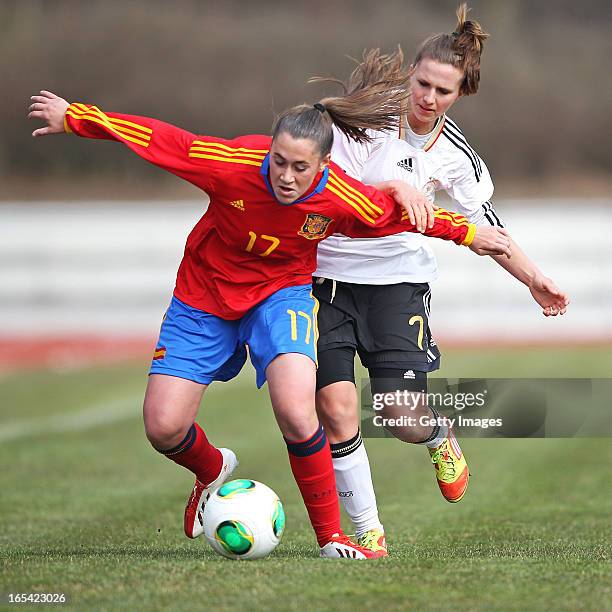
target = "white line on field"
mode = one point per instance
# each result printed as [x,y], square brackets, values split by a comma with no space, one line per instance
[95,415]
[100,413]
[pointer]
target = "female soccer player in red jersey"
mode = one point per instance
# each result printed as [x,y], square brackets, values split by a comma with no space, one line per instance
[245,277]
[375,298]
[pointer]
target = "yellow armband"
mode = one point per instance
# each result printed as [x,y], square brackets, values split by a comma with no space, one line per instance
[471,234]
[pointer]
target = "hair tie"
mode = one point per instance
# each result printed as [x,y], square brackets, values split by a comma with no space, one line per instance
[320,107]
[455,35]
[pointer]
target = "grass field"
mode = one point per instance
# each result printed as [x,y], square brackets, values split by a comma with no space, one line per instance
[90,510]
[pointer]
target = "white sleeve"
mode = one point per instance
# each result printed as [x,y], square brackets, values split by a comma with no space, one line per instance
[471,189]
[352,156]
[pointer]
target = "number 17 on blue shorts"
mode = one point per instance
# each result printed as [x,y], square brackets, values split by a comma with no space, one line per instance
[202,347]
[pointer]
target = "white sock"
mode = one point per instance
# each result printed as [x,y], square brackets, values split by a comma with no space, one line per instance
[354,484]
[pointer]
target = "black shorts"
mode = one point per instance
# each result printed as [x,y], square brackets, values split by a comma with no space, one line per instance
[387,325]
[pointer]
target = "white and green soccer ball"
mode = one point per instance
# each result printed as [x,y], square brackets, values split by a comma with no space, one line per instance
[244,519]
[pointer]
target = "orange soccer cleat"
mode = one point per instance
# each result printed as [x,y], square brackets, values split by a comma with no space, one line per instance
[451,468]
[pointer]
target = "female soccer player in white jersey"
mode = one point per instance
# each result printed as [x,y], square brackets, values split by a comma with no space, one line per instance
[374,293]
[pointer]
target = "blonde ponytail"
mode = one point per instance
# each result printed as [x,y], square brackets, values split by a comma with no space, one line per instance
[373,96]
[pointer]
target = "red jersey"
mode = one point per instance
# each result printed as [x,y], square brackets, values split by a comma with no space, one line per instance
[248,245]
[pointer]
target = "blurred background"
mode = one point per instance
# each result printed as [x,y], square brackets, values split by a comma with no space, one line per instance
[92,236]
[90,240]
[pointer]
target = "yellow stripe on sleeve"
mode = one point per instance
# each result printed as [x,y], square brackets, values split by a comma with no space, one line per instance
[220,145]
[115,120]
[221,152]
[106,124]
[237,153]
[248,162]
[97,116]
[350,202]
[456,220]
[456,216]
[364,201]
[112,123]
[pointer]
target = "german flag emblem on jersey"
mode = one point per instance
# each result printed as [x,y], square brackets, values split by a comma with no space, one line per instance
[315,226]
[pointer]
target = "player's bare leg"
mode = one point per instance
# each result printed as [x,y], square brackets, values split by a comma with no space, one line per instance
[337,408]
[170,407]
[291,381]
[341,420]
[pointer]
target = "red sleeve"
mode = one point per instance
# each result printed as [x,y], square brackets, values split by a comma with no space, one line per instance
[371,214]
[162,144]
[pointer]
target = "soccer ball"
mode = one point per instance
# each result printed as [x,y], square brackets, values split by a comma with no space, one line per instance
[244,519]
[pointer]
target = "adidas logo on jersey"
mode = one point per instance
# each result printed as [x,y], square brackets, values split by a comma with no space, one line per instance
[406,164]
[409,374]
[239,204]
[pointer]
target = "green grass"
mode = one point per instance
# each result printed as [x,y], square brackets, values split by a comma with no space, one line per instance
[94,512]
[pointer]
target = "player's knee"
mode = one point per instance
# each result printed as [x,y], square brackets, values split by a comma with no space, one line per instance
[299,429]
[337,410]
[164,432]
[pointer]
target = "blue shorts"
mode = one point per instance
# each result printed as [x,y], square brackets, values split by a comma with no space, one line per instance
[202,347]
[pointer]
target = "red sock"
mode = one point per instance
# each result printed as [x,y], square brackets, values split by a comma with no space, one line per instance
[198,455]
[312,468]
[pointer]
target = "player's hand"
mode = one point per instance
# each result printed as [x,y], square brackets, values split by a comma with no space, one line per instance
[491,241]
[51,109]
[553,301]
[419,206]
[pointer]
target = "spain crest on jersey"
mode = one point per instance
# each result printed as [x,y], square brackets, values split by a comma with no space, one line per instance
[315,226]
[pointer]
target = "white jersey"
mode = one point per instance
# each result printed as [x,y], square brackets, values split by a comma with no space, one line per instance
[440,160]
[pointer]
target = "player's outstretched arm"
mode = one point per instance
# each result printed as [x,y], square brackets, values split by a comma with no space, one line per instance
[544,291]
[489,240]
[160,143]
[374,213]
[51,109]
[419,207]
